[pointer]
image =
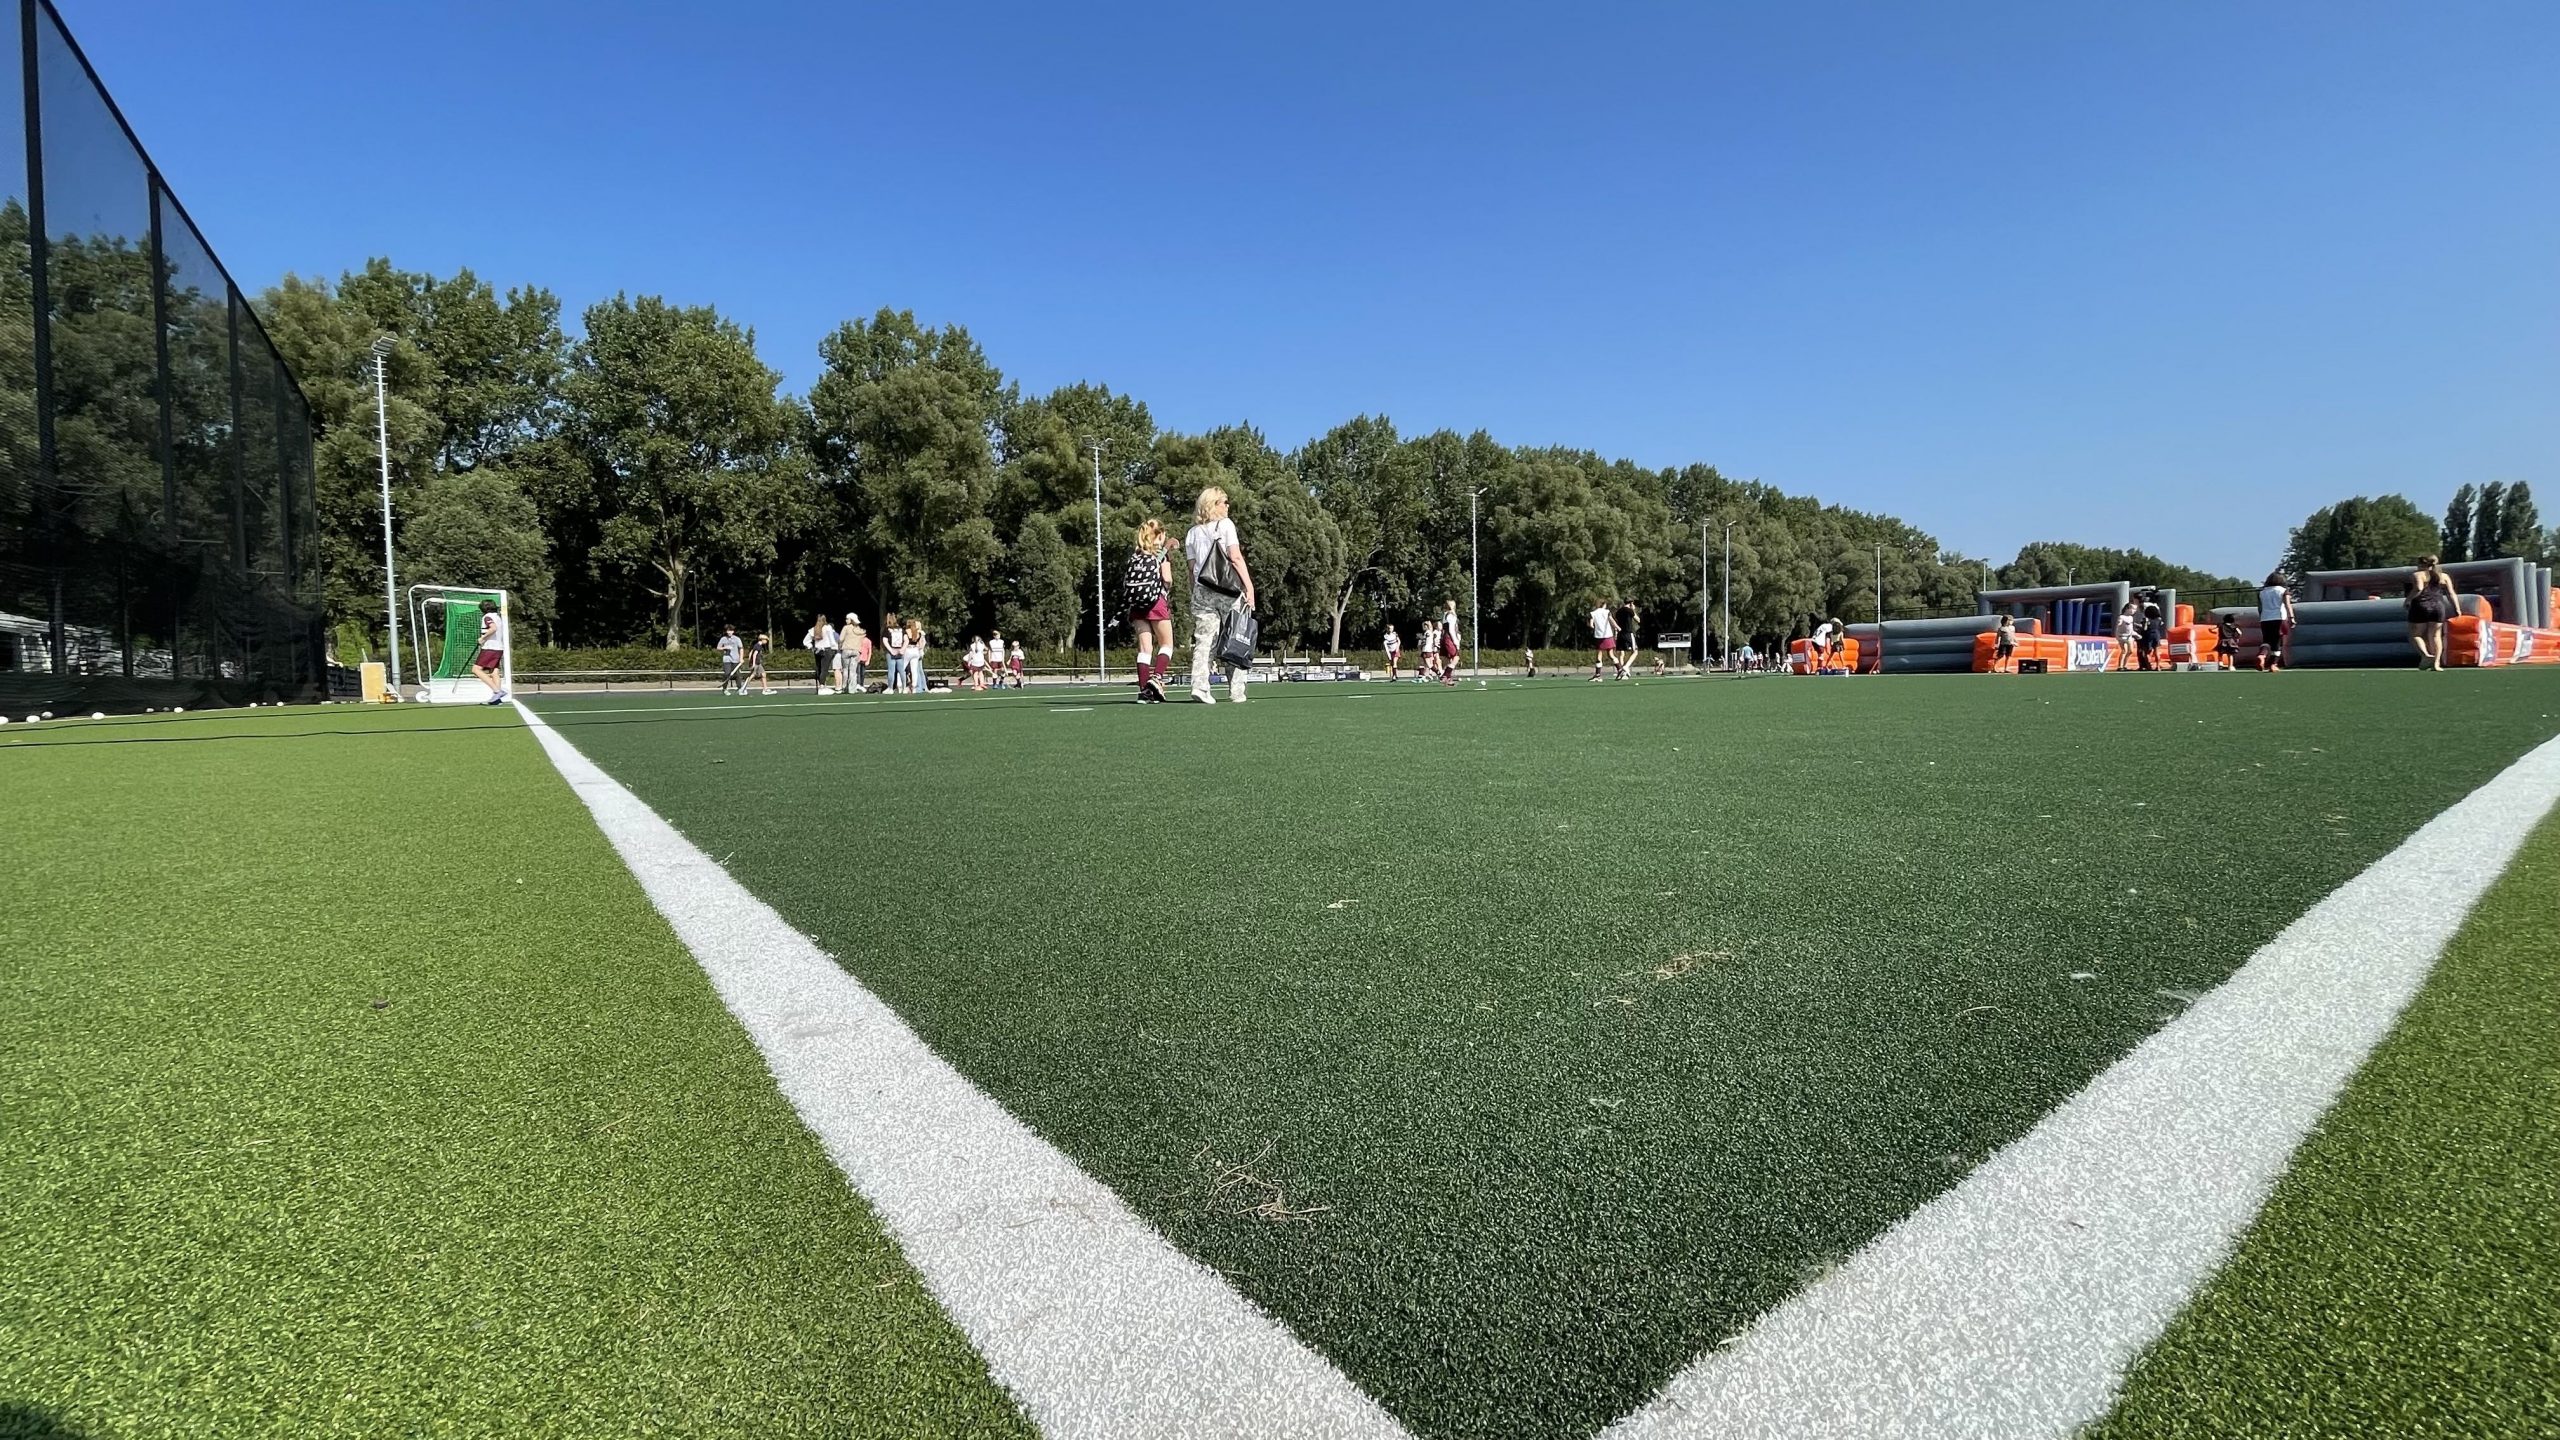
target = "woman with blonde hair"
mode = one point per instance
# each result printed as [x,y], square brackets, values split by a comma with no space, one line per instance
[1149,587]
[1221,584]
[821,644]
[915,657]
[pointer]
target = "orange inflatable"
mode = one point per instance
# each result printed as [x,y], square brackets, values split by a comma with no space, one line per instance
[1844,661]
[2058,652]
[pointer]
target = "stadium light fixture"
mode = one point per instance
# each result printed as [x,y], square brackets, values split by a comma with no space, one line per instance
[382,347]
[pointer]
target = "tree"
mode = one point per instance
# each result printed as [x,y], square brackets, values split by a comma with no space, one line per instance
[2519,527]
[2487,528]
[688,447]
[1367,483]
[1292,544]
[2454,538]
[904,422]
[1040,574]
[2361,534]
[476,527]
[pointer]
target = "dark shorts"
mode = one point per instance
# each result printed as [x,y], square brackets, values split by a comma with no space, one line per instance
[489,660]
[2004,647]
[1608,642]
[1162,609]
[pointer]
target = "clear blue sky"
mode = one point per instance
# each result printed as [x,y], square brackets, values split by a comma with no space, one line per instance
[2156,275]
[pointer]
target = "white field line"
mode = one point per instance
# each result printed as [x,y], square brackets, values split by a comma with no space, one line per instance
[2012,1304]
[1093,1321]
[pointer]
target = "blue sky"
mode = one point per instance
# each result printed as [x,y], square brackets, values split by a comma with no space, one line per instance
[2167,276]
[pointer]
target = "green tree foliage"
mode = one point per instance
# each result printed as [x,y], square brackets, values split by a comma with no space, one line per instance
[667,483]
[2488,529]
[2454,537]
[2361,534]
[2520,530]
[690,453]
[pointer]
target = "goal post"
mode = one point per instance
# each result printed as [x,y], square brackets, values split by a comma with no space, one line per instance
[444,626]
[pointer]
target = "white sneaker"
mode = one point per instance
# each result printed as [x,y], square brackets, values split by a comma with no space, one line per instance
[826,689]
[1204,697]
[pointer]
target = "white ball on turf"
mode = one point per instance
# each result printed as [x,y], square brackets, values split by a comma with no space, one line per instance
[97,714]
[177,709]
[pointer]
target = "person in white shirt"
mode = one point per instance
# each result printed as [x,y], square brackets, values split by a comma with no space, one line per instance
[821,642]
[1824,647]
[2125,638]
[995,655]
[1604,634]
[1428,642]
[917,680]
[976,663]
[1213,538]
[490,663]
[1395,649]
[1449,634]
[2275,621]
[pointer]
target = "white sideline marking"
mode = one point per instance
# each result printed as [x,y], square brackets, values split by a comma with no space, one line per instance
[1092,1320]
[2012,1304]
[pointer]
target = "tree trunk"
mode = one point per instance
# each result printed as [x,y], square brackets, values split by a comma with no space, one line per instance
[674,571]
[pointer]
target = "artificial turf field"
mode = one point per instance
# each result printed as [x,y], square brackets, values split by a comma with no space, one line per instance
[1582,1023]
[1576,1025]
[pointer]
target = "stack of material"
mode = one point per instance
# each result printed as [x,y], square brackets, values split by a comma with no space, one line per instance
[1929,647]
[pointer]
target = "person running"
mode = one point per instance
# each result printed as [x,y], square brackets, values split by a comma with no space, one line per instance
[917,680]
[893,649]
[2004,645]
[1604,635]
[2431,606]
[853,654]
[733,661]
[1630,634]
[1214,550]
[1395,650]
[821,644]
[2275,621]
[1148,587]
[490,662]
[756,656]
[974,662]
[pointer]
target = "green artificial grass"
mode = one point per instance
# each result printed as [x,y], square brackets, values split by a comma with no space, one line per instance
[1569,1026]
[355,1089]
[2404,1279]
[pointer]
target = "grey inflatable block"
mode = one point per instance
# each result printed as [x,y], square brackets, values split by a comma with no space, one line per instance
[2385,633]
[1942,625]
[2365,655]
[1932,645]
[1927,664]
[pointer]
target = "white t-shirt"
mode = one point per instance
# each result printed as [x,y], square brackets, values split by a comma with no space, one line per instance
[1604,626]
[493,631]
[977,655]
[995,649]
[1197,544]
[822,638]
[2271,602]
[729,648]
[1393,644]
[2124,624]
[1822,636]
[1449,623]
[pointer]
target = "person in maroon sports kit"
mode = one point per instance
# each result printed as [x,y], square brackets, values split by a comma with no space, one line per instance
[1149,586]
[491,663]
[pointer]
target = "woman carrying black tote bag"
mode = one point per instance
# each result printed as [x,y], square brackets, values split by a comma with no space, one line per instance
[1221,585]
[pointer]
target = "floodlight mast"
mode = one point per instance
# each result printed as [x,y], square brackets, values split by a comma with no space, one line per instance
[1101,635]
[1475,589]
[382,348]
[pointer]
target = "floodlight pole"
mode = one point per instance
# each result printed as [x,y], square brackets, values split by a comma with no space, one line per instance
[1101,635]
[382,442]
[1879,582]
[1475,590]
[1728,593]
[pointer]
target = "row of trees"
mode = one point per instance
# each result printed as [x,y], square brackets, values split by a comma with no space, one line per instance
[2491,522]
[652,481]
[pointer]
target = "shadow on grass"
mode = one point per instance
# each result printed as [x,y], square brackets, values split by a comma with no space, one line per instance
[20,1421]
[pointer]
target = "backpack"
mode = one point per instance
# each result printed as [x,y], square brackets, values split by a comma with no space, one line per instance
[1143,583]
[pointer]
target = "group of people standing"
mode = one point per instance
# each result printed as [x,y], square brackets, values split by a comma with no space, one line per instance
[1438,645]
[841,657]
